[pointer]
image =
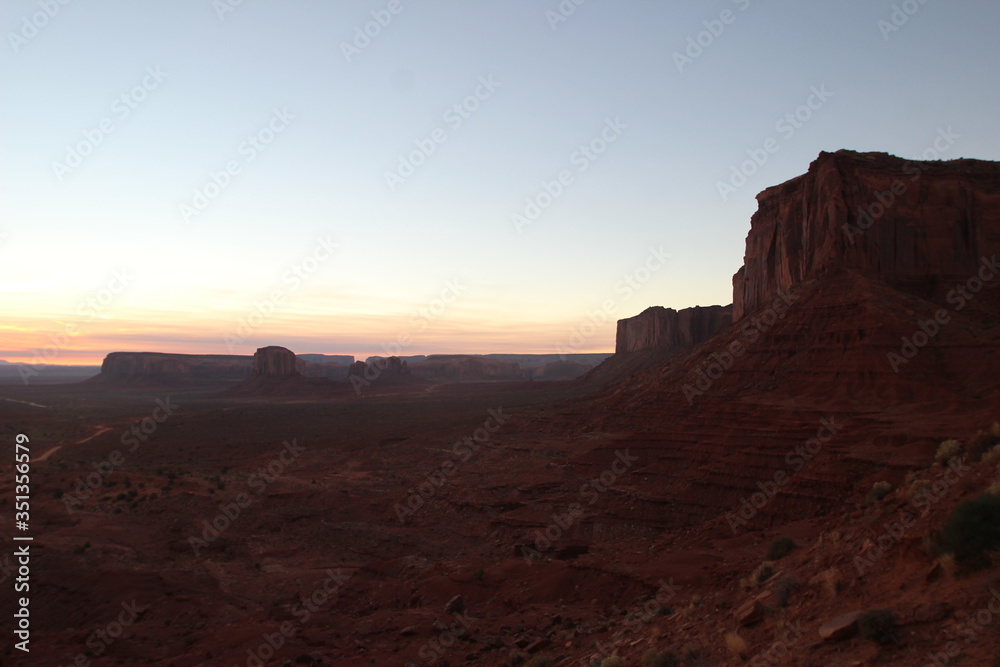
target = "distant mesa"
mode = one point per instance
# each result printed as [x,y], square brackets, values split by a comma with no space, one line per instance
[669,329]
[275,361]
[155,368]
[444,367]
[380,368]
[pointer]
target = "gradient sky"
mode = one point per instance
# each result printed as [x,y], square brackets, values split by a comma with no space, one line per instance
[185,285]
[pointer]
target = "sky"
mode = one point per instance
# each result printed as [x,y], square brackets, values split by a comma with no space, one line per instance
[419,176]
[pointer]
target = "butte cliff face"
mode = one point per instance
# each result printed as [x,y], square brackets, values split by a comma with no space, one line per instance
[909,224]
[276,361]
[666,328]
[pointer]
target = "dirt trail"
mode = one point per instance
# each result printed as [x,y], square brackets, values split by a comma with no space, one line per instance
[101,428]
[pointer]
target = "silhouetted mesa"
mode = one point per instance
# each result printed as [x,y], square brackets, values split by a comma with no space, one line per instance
[669,329]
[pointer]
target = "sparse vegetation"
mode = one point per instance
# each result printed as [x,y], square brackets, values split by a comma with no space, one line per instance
[613,661]
[877,626]
[879,491]
[917,488]
[690,651]
[992,457]
[737,645]
[972,531]
[762,573]
[984,442]
[781,547]
[948,450]
[784,588]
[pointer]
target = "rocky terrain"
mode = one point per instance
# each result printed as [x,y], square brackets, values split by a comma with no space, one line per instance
[778,493]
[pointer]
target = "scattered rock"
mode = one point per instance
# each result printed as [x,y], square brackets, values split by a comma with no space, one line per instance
[456,605]
[841,627]
[538,645]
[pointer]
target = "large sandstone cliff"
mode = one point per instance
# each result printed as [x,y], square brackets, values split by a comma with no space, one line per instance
[666,328]
[908,224]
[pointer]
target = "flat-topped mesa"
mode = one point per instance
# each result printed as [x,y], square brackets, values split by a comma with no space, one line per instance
[131,367]
[275,361]
[665,328]
[380,368]
[911,224]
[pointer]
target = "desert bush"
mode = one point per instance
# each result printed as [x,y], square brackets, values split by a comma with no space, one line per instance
[879,491]
[783,589]
[948,450]
[972,531]
[613,661]
[917,488]
[762,573]
[654,658]
[984,442]
[877,626]
[992,457]
[691,651]
[736,645]
[781,547]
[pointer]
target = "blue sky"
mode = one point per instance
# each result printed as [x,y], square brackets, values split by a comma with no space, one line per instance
[161,96]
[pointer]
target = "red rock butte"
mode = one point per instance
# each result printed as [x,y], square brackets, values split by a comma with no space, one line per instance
[911,225]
